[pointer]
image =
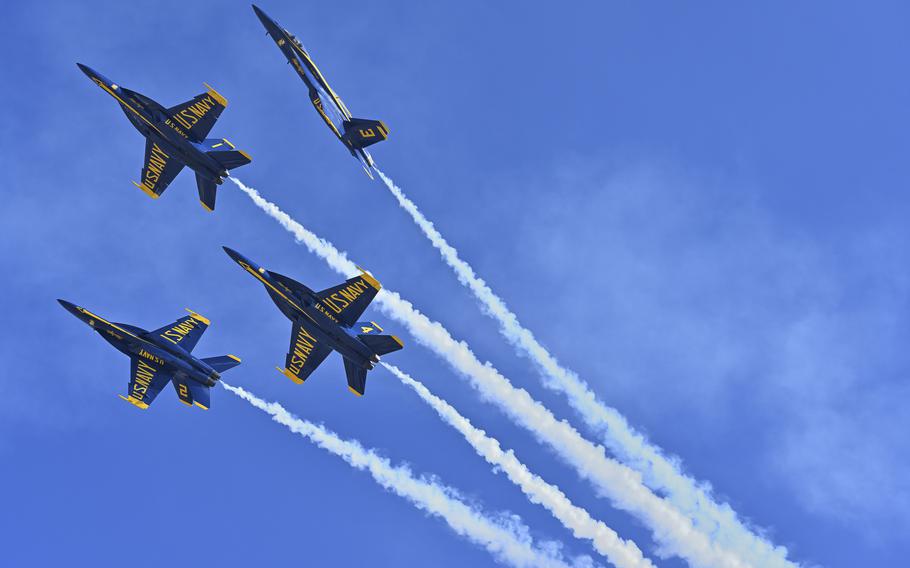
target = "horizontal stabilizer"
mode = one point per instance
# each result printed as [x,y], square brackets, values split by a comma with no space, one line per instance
[225,153]
[357,377]
[206,187]
[361,132]
[221,363]
[381,344]
[192,393]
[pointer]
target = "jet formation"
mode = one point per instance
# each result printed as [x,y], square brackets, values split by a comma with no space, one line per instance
[321,322]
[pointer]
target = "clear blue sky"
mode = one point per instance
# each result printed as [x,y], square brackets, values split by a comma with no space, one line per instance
[700,208]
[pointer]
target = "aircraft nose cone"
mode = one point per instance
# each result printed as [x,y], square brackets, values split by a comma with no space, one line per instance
[86,69]
[237,257]
[94,75]
[232,253]
[266,21]
[259,12]
[69,306]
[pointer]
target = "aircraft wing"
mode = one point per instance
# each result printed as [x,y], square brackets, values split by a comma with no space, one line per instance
[159,170]
[305,354]
[146,380]
[348,300]
[184,332]
[197,116]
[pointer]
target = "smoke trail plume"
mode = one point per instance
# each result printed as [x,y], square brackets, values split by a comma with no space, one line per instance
[619,552]
[660,472]
[674,533]
[505,538]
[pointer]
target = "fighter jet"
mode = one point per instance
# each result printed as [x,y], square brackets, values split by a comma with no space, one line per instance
[159,356]
[326,321]
[355,133]
[176,137]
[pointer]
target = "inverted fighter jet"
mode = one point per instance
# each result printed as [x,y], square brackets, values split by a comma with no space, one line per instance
[176,137]
[326,321]
[161,356]
[355,133]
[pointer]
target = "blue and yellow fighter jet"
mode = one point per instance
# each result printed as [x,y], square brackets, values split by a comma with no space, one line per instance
[355,133]
[326,321]
[176,137]
[159,356]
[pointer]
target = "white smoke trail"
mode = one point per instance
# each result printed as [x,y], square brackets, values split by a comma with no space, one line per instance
[675,533]
[660,472]
[619,552]
[506,538]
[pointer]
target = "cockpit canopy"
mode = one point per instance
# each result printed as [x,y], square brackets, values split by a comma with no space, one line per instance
[295,40]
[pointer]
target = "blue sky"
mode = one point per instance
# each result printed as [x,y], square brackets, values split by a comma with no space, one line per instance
[699,208]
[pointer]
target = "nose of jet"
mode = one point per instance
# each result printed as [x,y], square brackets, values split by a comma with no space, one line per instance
[92,74]
[70,307]
[238,258]
[266,21]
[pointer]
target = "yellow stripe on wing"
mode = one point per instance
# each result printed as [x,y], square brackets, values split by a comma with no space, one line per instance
[146,190]
[199,317]
[216,95]
[134,401]
[287,373]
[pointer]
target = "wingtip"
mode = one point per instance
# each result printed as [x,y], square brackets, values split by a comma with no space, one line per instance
[288,374]
[199,317]
[216,95]
[369,278]
[146,190]
[134,401]
[350,388]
